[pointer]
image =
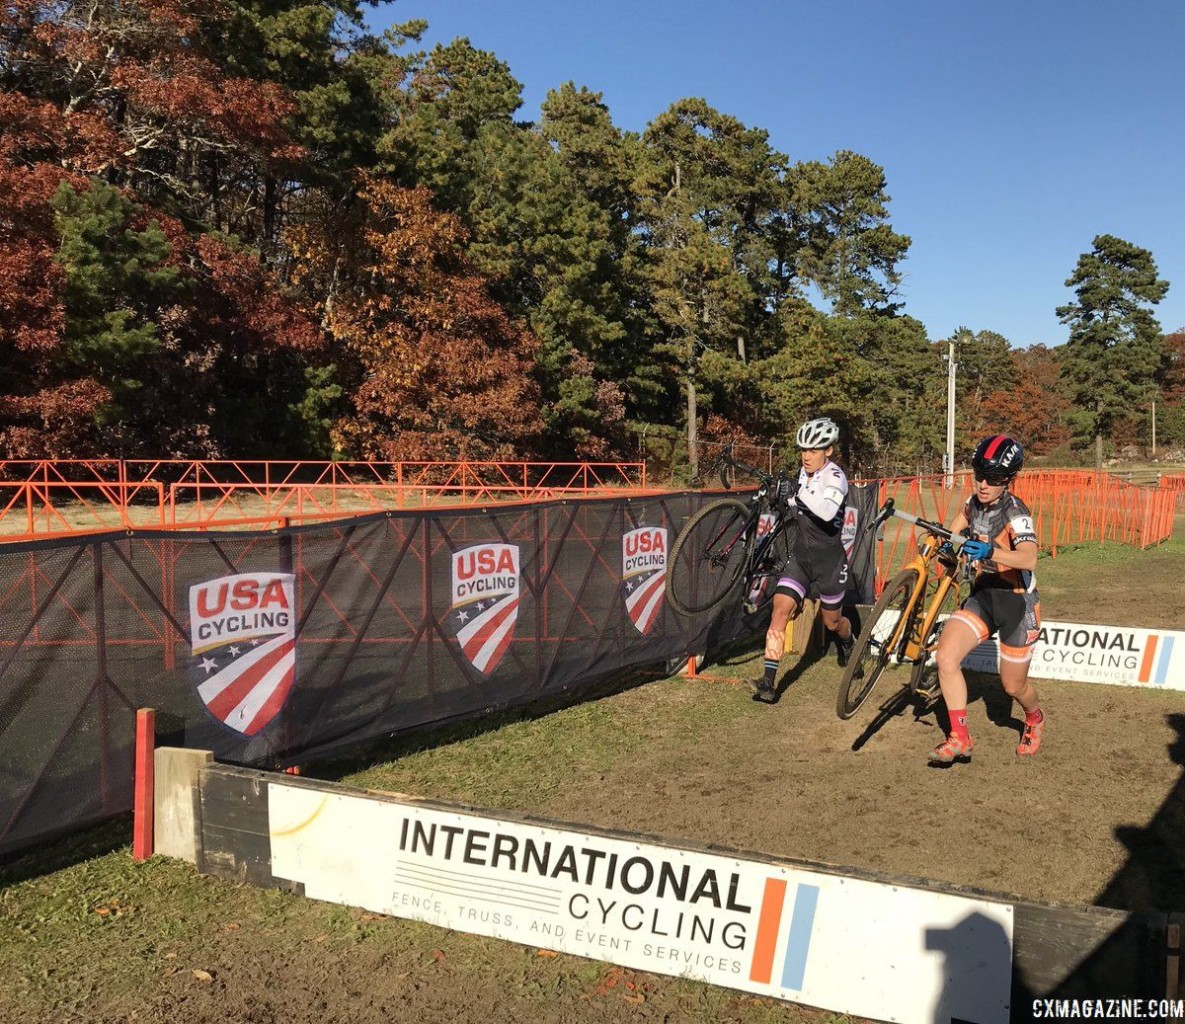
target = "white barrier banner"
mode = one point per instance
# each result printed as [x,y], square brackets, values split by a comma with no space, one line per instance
[1121,655]
[842,944]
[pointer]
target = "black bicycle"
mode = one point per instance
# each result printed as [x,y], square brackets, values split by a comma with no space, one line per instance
[733,547]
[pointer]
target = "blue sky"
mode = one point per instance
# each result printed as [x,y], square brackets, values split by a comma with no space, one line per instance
[1011,133]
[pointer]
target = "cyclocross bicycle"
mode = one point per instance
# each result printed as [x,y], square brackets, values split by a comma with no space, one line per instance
[906,622]
[732,547]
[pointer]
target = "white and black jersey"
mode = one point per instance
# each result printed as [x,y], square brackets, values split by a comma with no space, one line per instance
[818,559]
[820,505]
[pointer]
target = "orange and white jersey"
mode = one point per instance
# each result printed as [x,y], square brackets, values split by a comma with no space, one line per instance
[1006,523]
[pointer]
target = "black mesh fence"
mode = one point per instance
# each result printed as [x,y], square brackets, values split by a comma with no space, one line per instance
[273,648]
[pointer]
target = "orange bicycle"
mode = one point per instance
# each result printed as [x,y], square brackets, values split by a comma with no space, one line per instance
[905,623]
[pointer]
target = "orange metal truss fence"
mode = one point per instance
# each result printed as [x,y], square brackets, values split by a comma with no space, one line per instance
[46,498]
[1069,507]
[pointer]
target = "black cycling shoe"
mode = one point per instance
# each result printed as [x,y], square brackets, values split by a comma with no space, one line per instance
[761,689]
[843,650]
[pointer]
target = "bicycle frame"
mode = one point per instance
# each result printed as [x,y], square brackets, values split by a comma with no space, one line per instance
[760,505]
[911,646]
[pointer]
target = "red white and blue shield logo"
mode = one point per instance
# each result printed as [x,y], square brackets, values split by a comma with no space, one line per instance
[485,589]
[851,519]
[243,635]
[644,574]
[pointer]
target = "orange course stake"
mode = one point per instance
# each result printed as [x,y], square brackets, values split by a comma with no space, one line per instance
[142,811]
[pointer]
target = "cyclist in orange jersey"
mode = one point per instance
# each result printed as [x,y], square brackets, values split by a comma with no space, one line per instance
[1003,600]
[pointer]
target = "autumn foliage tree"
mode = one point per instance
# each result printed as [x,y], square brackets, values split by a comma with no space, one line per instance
[1034,405]
[122,143]
[260,229]
[436,369]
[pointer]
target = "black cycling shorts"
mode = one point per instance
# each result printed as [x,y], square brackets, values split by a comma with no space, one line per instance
[826,569]
[1014,618]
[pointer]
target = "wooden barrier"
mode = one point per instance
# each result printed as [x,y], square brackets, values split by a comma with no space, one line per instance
[1057,951]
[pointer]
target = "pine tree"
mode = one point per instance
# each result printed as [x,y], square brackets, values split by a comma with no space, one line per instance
[1115,347]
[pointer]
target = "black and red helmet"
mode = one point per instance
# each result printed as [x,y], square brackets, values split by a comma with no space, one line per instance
[998,459]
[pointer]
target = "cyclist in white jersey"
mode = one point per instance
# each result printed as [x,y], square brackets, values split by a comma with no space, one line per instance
[818,557]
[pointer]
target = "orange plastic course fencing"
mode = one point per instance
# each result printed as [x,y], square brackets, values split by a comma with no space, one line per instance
[51,498]
[1174,482]
[1069,507]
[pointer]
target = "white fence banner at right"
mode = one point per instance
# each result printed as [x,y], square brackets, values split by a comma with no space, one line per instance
[1120,655]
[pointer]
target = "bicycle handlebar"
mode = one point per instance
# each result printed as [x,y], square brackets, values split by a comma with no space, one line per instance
[937,529]
[725,459]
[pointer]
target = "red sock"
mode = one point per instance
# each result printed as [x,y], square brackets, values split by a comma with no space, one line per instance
[958,724]
[1034,717]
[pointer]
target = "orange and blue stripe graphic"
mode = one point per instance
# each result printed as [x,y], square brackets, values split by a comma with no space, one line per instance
[1151,662]
[798,936]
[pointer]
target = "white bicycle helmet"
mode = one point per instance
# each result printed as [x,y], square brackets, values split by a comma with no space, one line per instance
[820,433]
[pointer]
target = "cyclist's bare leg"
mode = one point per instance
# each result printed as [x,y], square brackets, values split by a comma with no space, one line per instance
[1014,674]
[1015,677]
[959,638]
[835,620]
[786,608]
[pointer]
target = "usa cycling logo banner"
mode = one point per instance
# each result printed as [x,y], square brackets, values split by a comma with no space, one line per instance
[243,637]
[485,589]
[851,519]
[644,574]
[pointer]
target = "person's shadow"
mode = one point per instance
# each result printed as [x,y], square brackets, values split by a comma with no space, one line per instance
[978,983]
[1153,876]
[1130,961]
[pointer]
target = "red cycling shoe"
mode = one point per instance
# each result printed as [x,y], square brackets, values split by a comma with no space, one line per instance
[952,749]
[1030,742]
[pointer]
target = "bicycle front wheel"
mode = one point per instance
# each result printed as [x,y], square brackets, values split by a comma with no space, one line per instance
[925,672]
[874,646]
[708,557]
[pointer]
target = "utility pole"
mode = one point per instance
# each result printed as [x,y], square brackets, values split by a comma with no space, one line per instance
[1154,428]
[948,460]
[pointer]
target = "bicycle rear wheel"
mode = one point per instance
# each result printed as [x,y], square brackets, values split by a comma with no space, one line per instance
[708,557]
[872,651]
[769,562]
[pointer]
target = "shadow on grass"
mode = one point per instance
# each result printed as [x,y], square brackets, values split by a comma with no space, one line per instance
[1153,876]
[795,672]
[52,855]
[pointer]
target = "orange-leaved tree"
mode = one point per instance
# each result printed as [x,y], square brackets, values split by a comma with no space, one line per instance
[1034,408]
[434,367]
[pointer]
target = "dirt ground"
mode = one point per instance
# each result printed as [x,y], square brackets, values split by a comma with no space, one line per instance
[1098,818]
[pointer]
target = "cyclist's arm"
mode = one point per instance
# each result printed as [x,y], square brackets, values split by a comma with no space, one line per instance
[830,499]
[1023,556]
[959,523]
